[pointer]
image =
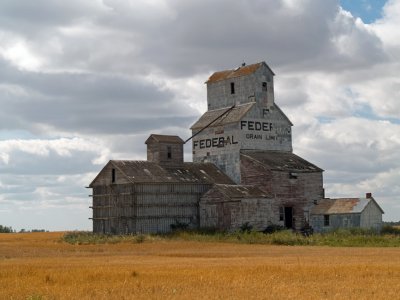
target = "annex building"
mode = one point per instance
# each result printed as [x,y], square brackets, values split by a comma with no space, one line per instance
[243,171]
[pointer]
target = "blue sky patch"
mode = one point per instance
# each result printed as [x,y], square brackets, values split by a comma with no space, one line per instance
[368,10]
[15,135]
[365,111]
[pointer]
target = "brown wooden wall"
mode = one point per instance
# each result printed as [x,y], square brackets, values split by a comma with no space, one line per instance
[222,213]
[297,193]
[158,152]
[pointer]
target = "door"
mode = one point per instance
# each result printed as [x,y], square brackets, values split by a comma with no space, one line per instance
[289,217]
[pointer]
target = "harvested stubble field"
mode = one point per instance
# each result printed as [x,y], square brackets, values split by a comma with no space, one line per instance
[41,266]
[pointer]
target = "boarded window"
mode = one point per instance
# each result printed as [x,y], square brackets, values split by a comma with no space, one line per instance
[169,152]
[281,213]
[326,220]
[232,87]
[113,175]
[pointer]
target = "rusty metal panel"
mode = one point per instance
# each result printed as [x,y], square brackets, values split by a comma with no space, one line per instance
[228,74]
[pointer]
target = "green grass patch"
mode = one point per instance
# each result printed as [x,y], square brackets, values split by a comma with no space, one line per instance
[338,238]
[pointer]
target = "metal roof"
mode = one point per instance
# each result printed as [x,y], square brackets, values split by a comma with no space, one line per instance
[241,71]
[151,172]
[233,116]
[240,191]
[329,206]
[281,161]
[173,139]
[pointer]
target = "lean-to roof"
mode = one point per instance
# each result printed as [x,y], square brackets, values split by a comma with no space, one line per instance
[281,161]
[233,116]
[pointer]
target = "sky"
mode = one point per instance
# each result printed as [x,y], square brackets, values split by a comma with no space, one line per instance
[83,82]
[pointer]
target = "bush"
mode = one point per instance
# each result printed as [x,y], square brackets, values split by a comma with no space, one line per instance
[246,227]
[273,228]
[178,225]
[390,230]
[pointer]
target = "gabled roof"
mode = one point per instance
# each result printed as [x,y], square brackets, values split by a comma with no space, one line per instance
[151,172]
[281,161]
[241,71]
[233,116]
[342,206]
[172,139]
[283,114]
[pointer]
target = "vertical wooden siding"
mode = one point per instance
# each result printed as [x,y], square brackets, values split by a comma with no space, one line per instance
[145,208]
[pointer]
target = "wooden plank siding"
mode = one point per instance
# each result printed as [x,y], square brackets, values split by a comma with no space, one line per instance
[145,208]
[299,193]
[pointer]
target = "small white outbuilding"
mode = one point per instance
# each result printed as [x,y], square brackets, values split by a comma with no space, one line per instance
[330,214]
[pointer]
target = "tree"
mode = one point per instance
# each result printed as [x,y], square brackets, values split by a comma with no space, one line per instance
[5,229]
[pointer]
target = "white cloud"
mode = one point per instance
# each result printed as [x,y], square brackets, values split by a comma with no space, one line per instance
[62,147]
[387,26]
[20,55]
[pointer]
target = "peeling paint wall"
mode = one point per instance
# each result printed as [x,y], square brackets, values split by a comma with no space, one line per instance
[336,221]
[247,88]
[371,216]
[258,130]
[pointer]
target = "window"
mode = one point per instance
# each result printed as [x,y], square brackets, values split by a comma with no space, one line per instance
[264,86]
[281,213]
[169,152]
[113,175]
[326,220]
[232,87]
[293,175]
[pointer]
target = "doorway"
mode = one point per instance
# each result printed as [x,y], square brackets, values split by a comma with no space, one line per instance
[289,217]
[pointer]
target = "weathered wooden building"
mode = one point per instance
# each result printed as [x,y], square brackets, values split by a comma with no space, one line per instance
[228,207]
[243,171]
[330,214]
[149,196]
[246,134]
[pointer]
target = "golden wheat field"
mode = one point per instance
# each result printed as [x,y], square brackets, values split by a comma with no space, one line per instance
[40,266]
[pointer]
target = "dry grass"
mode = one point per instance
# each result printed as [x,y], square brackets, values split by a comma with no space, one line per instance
[40,266]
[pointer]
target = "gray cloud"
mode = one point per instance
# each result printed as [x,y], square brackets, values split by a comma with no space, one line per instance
[87,103]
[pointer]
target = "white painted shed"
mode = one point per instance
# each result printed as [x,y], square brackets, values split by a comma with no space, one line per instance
[330,214]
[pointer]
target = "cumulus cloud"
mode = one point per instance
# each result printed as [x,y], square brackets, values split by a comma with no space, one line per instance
[83,82]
